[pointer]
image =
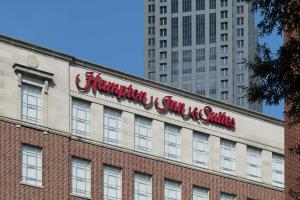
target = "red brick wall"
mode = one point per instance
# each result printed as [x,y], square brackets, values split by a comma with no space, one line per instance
[57,151]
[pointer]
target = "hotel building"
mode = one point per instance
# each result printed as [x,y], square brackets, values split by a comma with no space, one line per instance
[70,129]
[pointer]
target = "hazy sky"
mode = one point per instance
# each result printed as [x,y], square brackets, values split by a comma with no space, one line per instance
[104,32]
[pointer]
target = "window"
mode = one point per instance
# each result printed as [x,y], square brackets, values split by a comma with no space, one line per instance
[151,75]
[172,190]
[81,177]
[163,78]
[151,8]
[151,65]
[163,32]
[151,53]
[240,89]
[187,30]
[174,68]
[200,60]
[225,196]
[240,55]
[200,193]
[278,170]
[224,49]
[224,95]
[200,88]
[212,4]
[240,43]
[213,89]
[240,32]
[172,142]
[240,78]
[187,65]
[163,43]
[112,126]
[151,41]
[200,150]
[224,25]
[224,60]
[224,3]
[163,9]
[32,104]
[228,156]
[31,165]
[224,72]
[112,187]
[224,37]
[186,6]
[174,6]
[240,9]
[143,134]
[151,31]
[163,21]
[162,67]
[81,118]
[212,28]
[224,14]
[254,164]
[212,58]
[174,32]
[240,20]
[142,187]
[151,20]
[224,84]
[240,101]
[200,29]
[200,4]
[163,55]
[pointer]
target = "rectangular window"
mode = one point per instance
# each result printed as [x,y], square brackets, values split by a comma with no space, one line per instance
[151,65]
[163,55]
[224,60]
[174,6]
[224,84]
[163,78]
[240,21]
[200,4]
[151,31]
[163,9]
[224,37]
[224,3]
[224,49]
[187,65]
[254,164]
[81,118]
[241,89]
[240,32]
[174,68]
[162,67]
[240,78]
[200,150]
[186,6]
[112,187]
[151,8]
[240,9]
[163,32]
[172,142]
[187,30]
[151,42]
[278,170]
[151,53]
[225,196]
[200,193]
[200,88]
[142,187]
[240,101]
[151,20]
[163,43]
[81,177]
[224,95]
[163,21]
[200,60]
[31,165]
[112,127]
[200,29]
[143,134]
[212,28]
[151,75]
[228,164]
[174,31]
[224,72]
[212,4]
[224,14]
[224,25]
[172,190]
[240,43]
[32,104]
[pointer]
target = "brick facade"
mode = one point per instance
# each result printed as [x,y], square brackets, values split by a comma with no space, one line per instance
[57,151]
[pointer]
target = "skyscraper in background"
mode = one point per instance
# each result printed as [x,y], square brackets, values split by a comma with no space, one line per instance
[200,46]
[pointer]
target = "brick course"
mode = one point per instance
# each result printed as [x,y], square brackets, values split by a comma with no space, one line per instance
[57,151]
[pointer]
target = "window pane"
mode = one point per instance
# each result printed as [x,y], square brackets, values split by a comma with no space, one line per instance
[172,190]
[112,187]
[143,134]
[31,165]
[142,187]
[172,142]
[112,126]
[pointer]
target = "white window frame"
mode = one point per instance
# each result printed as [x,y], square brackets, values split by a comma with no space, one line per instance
[200,193]
[112,116]
[225,196]
[33,92]
[81,116]
[171,188]
[254,163]
[172,131]
[112,182]
[145,124]
[228,154]
[142,187]
[278,170]
[81,175]
[31,165]
[200,150]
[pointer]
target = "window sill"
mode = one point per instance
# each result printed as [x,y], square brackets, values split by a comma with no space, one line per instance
[78,196]
[36,186]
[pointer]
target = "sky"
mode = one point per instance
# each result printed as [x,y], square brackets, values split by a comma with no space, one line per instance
[108,33]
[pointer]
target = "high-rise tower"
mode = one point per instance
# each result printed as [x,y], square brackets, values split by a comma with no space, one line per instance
[200,46]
